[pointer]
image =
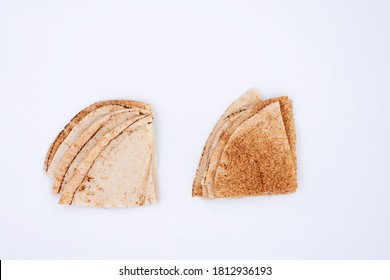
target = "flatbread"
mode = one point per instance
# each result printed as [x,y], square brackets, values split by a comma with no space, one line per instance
[221,131]
[121,175]
[243,103]
[289,125]
[208,177]
[94,155]
[257,159]
[87,140]
[79,123]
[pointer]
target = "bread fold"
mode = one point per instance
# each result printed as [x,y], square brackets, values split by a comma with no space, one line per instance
[254,152]
[107,159]
[79,123]
[232,113]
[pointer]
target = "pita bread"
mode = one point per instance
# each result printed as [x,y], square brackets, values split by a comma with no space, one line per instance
[243,103]
[81,171]
[153,172]
[87,140]
[257,159]
[222,142]
[79,123]
[123,179]
[209,175]
[106,157]
[226,125]
[289,125]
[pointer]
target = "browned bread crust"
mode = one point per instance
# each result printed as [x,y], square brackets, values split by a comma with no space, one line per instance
[257,159]
[239,169]
[249,99]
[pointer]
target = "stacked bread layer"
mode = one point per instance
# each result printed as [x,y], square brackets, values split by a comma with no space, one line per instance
[251,151]
[105,156]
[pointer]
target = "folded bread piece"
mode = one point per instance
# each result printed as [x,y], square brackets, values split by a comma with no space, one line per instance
[81,122]
[87,140]
[255,153]
[233,112]
[257,159]
[111,163]
[125,162]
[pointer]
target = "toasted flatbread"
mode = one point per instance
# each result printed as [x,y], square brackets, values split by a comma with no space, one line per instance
[105,155]
[289,125]
[257,159]
[208,177]
[219,146]
[79,123]
[87,140]
[219,133]
[237,108]
[121,173]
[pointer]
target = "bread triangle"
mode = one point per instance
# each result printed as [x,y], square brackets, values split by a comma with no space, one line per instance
[121,174]
[209,174]
[220,138]
[243,103]
[257,159]
[79,123]
[87,140]
[82,169]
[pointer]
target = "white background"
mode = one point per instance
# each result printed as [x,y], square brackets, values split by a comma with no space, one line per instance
[191,60]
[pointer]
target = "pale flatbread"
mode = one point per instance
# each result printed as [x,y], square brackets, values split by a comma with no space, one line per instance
[244,102]
[257,159]
[81,121]
[121,174]
[84,166]
[87,140]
